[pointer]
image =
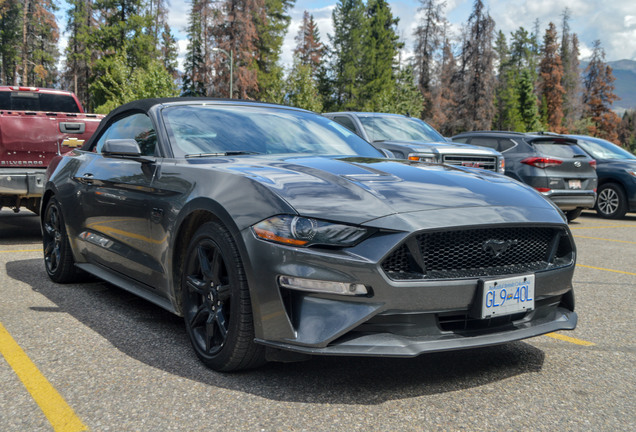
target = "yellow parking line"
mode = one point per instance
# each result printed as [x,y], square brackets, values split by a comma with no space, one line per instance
[604,269]
[21,250]
[604,239]
[570,339]
[60,415]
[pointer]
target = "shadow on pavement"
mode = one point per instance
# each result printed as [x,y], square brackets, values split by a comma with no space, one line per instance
[157,338]
[19,228]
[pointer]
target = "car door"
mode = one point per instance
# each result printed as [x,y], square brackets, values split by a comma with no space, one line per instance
[116,199]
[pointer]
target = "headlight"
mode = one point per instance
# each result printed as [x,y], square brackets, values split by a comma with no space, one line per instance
[422,157]
[300,231]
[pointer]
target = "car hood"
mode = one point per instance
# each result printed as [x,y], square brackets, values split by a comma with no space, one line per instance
[358,190]
[440,147]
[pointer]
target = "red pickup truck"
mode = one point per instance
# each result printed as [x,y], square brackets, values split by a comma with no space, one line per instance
[35,125]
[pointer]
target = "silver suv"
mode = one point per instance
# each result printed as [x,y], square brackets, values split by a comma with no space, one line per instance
[413,139]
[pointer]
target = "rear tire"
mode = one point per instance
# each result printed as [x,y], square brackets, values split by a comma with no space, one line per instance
[216,302]
[611,202]
[573,214]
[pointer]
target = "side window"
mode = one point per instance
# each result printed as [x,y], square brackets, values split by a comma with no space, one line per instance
[461,140]
[346,122]
[484,142]
[506,144]
[135,126]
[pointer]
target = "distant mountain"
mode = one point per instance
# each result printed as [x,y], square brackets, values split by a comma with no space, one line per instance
[625,85]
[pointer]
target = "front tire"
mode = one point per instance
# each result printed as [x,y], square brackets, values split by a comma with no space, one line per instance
[58,257]
[216,302]
[611,202]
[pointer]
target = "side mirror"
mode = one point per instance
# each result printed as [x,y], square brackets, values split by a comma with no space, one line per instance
[121,148]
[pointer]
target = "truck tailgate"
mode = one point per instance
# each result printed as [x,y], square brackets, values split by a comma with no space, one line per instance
[32,139]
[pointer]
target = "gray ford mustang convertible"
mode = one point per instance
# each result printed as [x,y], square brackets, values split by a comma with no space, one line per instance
[277,233]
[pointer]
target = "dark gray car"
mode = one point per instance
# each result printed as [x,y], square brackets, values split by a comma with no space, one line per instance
[414,139]
[553,165]
[276,232]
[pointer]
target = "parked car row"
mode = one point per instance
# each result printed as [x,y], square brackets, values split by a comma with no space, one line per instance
[568,169]
[575,172]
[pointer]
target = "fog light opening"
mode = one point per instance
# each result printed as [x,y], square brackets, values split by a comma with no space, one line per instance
[319,286]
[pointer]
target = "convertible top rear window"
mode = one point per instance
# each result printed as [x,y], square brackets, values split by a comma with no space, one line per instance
[223,129]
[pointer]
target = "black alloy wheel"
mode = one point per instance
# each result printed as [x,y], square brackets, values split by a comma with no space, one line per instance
[216,302]
[58,257]
[611,202]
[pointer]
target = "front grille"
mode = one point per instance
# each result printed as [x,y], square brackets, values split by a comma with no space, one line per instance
[479,252]
[484,162]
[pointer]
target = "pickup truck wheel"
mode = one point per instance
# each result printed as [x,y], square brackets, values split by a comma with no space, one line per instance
[58,257]
[216,302]
[611,202]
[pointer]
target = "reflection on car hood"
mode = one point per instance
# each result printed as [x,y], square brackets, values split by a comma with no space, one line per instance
[356,190]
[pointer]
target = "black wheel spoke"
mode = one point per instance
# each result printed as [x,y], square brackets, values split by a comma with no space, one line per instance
[221,323]
[209,333]
[197,285]
[199,317]
[217,262]
[224,292]
[204,262]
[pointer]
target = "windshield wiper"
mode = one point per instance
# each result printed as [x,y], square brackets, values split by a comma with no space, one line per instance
[227,153]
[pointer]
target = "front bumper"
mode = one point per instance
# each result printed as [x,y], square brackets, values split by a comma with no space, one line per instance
[397,318]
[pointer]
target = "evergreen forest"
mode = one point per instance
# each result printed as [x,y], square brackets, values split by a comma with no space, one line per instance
[479,79]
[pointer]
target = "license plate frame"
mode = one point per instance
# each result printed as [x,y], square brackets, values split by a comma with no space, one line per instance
[506,296]
[575,184]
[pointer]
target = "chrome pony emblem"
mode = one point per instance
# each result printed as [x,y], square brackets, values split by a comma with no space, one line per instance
[496,248]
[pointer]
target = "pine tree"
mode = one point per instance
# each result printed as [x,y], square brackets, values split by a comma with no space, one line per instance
[428,39]
[571,81]
[380,48]
[507,115]
[271,25]
[39,43]
[309,50]
[405,97]
[301,88]
[598,96]
[528,108]
[476,108]
[445,99]
[79,55]
[348,22]
[551,73]
[235,31]
[10,40]
[194,77]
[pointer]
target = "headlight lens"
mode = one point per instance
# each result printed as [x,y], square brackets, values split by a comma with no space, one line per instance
[422,157]
[301,231]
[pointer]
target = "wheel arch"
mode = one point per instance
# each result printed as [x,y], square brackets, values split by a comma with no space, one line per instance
[194,215]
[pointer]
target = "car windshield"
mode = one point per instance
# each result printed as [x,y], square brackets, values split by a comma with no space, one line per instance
[219,129]
[601,149]
[395,128]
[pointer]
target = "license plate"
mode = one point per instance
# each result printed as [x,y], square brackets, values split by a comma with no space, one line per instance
[574,184]
[507,296]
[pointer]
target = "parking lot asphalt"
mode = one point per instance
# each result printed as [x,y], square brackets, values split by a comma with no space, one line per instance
[92,357]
